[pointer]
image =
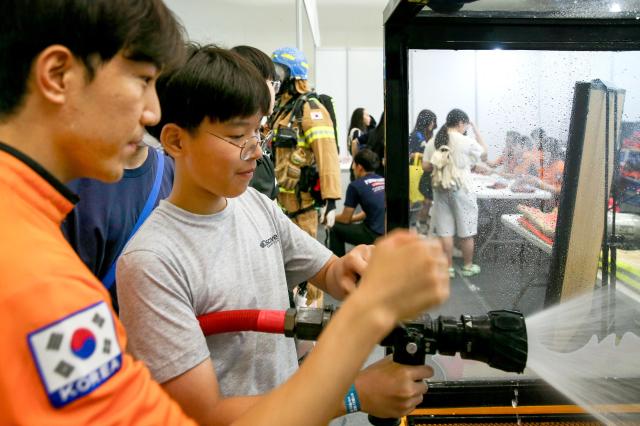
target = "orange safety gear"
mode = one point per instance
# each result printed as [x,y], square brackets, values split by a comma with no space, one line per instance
[63,350]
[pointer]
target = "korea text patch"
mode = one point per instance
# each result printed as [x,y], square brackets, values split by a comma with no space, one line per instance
[76,354]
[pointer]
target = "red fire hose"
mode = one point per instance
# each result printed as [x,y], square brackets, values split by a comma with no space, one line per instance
[264,321]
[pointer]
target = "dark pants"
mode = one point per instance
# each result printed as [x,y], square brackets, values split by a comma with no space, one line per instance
[353,233]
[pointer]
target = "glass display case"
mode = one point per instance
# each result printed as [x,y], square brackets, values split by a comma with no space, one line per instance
[541,214]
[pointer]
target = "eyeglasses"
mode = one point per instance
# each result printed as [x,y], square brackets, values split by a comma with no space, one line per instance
[276,85]
[248,146]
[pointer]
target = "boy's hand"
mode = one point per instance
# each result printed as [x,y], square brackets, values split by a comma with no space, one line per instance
[404,263]
[390,390]
[347,270]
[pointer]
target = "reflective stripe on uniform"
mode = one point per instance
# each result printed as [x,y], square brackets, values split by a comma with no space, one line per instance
[318,132]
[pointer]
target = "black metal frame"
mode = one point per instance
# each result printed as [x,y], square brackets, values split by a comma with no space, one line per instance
[407,26]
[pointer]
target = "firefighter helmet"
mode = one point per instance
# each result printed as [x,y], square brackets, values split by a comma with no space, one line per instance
[294,60]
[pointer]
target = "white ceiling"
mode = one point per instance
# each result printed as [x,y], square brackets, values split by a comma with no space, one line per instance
[270,23]
[343,23]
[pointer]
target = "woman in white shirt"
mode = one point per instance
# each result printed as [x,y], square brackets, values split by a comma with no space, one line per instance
[455,208]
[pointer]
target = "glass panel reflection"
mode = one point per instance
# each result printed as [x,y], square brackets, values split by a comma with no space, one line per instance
[519,104]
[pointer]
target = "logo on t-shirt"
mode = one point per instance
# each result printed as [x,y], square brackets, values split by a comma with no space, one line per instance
[75,355]
[269,241]
[376,184]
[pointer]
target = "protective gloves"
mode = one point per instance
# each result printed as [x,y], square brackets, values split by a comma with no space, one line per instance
[328,213]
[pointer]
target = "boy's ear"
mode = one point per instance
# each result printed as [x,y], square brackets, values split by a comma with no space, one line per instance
[54,69]
[171,138]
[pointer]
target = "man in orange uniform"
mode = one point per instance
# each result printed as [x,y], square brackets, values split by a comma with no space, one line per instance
[76,90]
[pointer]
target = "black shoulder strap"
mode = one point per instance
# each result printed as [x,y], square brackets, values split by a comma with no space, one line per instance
[283,110]
[296,113]
[314,100]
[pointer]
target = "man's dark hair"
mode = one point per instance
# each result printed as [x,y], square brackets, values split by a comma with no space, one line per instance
[259,59]
[93,30]
[367,159]
[213,82]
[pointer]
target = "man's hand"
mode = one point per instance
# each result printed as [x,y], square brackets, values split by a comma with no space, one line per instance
[390,390]
[328,213]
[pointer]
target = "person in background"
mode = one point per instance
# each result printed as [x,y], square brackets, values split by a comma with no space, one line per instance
[366,191]
[534,157]
[524,159]
[456,208]
[549,177]
[108,214]
[422,132]
[359,125]
[217,245]
[375,141]
[426,123]
[264,178]
[510,153]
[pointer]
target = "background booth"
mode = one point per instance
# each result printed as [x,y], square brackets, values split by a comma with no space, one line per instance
[567,259]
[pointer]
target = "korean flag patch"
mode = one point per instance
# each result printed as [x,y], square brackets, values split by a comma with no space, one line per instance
[316,115]
[76,354]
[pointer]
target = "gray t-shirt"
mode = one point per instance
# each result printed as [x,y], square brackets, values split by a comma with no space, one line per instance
[180,265]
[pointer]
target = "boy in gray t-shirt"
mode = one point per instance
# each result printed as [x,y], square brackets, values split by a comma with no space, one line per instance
[213,245]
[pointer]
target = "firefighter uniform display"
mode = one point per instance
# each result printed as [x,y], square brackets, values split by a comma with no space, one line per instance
[305,149]
[298,160]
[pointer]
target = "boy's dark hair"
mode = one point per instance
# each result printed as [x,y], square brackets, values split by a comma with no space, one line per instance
[259,59]
[213,82]
[93,30]
[367,159]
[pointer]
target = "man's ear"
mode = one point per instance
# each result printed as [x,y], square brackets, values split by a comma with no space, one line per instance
[54,67]
[171,138]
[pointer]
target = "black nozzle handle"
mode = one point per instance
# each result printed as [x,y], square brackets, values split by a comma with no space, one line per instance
[377,421]
[408,349]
